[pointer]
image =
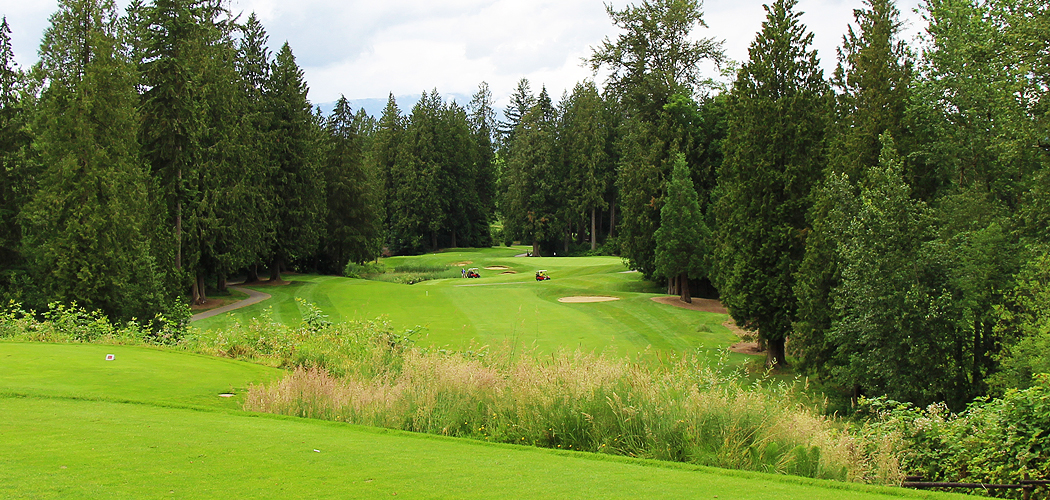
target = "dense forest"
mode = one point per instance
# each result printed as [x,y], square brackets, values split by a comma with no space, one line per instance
[885,228]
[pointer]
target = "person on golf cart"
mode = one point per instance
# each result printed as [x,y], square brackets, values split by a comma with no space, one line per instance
[541,275]
[473,273]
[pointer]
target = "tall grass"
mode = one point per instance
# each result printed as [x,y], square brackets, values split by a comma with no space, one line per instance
[683,410]
[406,274]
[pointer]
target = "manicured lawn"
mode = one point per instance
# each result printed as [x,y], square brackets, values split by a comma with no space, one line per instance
[505,307]
[56,446]
[139,374]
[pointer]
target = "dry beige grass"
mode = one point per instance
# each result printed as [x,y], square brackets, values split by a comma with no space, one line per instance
[682,411]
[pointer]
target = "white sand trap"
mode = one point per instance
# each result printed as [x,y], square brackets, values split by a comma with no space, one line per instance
[497,268]
[582,299]
[509,272]
[464,263]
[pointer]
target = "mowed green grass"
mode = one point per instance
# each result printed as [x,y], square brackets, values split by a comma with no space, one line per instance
[499,307]
[71,430]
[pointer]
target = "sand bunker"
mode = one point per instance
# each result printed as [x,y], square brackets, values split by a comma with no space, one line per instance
[509,272]
[581,299]
[464,263]
[497,268]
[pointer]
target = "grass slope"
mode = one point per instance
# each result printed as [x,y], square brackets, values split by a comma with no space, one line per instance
[505,307]
[58,446]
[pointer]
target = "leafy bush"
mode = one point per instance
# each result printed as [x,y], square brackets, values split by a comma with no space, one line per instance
[360,271]
[996,440]
[1025,324]
[72,323]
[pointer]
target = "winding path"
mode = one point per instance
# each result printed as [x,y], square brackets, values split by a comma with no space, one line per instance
[254,297]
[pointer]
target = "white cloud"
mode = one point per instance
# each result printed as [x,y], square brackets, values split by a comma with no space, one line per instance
[365,49]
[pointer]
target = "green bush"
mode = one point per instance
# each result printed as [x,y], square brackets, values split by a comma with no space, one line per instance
[361,271]
[72,323]
[995,440]
[1024,323]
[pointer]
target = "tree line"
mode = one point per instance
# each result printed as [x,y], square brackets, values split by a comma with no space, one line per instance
[884,227]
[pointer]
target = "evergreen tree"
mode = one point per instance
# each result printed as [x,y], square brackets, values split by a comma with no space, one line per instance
[467,223]
[521,101]
[354,216]
[683,240]
[298,180]
[483,125]
[882,304]
[85,226]
[173,124]
[253,68]
[655,59]
[774,156]
[531,202]
[585,137]
[15,167]
[874,75]
[383,158]
[234,230]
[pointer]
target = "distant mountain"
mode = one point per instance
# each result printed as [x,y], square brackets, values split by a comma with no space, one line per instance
[374,105]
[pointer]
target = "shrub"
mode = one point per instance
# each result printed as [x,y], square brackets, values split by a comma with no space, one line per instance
[995,440]
[72,323]
[361,271]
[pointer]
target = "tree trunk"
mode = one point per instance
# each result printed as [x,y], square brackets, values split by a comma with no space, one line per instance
[221,282]
[535,249]
[433,240]
[202,287]
[195,294]
[253,274]
[601,220]
[594,230]
[565,243]
[775,353]
[178,229]
[683,288]
[178,236]
[275,270]
[612,218]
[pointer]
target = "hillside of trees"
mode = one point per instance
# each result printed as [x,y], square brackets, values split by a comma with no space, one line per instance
[885,228]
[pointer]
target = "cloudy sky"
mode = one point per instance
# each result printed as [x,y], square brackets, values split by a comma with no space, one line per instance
[367,49]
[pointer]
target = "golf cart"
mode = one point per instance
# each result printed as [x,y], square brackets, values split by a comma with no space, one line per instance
[541,275]
[473,273]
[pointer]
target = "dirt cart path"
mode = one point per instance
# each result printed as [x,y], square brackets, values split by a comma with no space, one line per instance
[254,297]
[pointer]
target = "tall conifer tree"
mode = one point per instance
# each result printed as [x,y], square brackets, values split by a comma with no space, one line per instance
[774,156]
[298,181]
[85,227]
[15,169]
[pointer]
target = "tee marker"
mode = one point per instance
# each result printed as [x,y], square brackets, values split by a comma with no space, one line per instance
[110,357]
